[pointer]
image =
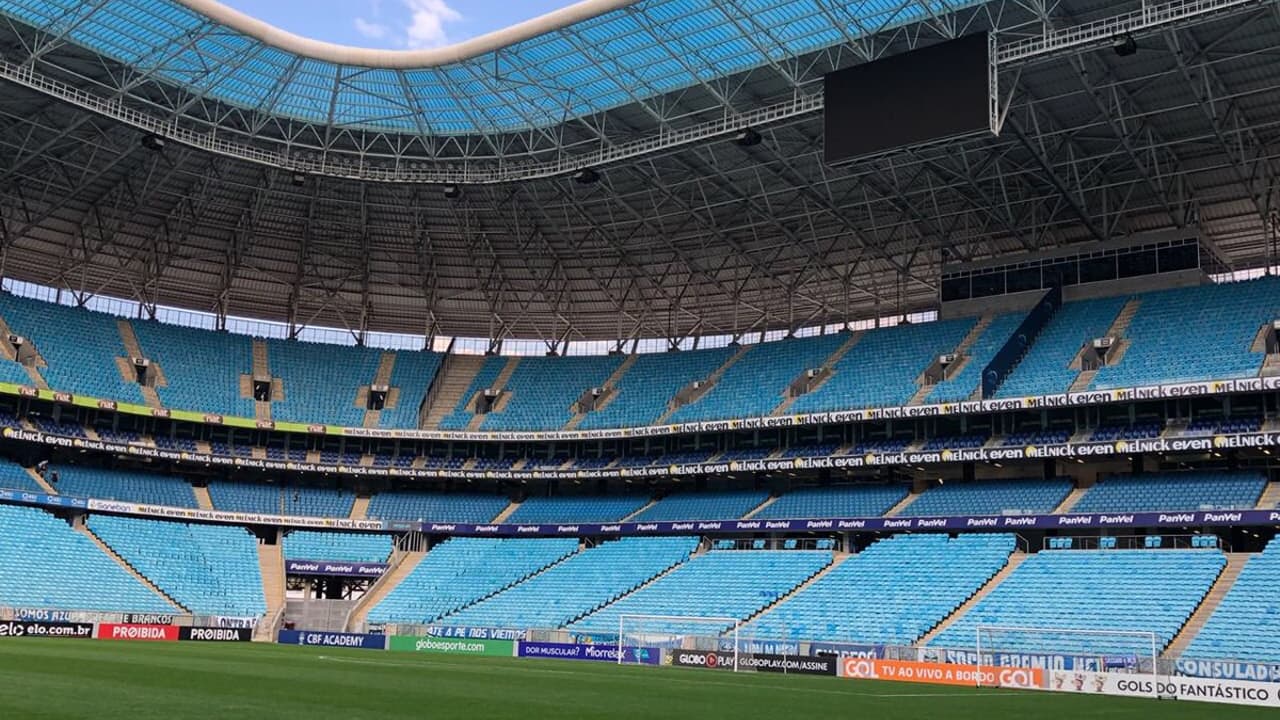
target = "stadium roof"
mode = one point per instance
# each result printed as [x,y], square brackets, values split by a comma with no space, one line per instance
[594,56]
[690,234]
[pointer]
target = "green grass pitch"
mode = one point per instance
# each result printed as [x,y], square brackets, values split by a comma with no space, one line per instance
[43,679]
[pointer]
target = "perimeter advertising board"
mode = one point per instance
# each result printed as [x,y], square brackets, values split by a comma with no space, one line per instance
[31,628]
[452,646]
[332,639]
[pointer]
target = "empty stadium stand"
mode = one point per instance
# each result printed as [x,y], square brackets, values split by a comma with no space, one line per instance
[15,477]
[46,564]
[1246,625]
[126,485]
[579,585]
[1063,590]
[338,546]
[703,506]
[644,392]
[436,507]
[590,508]
[963,383]
[990,497]
[715,584]
[462,571]
[208,569]
[542,391]
[321,382]
[1195,490]
[272,499]
[202,368]
[1045,368]
[833,502]
[891,593]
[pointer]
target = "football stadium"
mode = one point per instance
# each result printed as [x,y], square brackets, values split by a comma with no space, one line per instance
[642,359]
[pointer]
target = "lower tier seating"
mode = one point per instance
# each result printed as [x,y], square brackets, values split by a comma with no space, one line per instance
[1110,590]
[579,585]
[716,584]
[208,569]
[461,571]
[339,546]
[1246,625]
[892,593]
[44,563]
[1152,492]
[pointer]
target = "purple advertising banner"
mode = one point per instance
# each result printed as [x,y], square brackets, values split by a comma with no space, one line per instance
[332,639]
[598,653]
[326,567]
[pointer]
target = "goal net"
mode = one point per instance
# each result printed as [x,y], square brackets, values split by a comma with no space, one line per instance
[1063,651]
[706,638]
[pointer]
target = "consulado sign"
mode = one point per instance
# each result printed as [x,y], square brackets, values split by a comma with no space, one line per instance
[452,646]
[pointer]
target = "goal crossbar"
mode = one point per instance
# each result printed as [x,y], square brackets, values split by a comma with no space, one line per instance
[984,633]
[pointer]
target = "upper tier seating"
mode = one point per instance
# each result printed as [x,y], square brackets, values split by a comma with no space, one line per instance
[46,564]
[1208,490]
[337,546]
[728,505]
[461,415]
[436,507]
[130,486]
[460,571]
[968,380]
[79,346]
[15,477]
[848,501]
[893,592]
[881,369]
[650,384]
[543,389]
[1191,334]
[1246,625]
[990,497]
[208,569]
[321,381]
[579,585]
[590,508]
[716,584]
[270,499]
[413,374]
[1045,369]
[12,372]
[754,385]
[202,368]
[1130,590]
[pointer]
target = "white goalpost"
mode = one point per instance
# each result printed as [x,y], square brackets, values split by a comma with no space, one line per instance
[678,632]
[1000,647]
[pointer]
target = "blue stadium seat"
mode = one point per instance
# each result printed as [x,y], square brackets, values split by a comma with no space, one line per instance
[436,507]
[337,546]
[1246,625]
[841,501]
[127,485]
[650,384]
[990,497]
[1195,490]
[1045,368]
[589,508]
[728,505]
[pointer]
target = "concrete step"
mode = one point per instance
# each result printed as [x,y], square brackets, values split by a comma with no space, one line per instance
[1212,599]
[710,381]
[1070,500]
[109,552]
[506,512]
[449,386]
[271,567]
[757,509]
[203,500]
[1270,498]
[829,365]
[35,476]
[836,562]
[402,564]
[902,504]
[1015,560]
[611,385]
[360,508]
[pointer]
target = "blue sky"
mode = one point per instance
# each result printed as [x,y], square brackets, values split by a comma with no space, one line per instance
[394,24]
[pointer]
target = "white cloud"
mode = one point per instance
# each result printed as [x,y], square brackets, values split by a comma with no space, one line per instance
[370,29]
[427,19]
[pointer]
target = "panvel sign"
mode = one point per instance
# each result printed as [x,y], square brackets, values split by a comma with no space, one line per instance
[940,674]
[599,653]
[331,639]
[335,569]
[145,633]
[452,646]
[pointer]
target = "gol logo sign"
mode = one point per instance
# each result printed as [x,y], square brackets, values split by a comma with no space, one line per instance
[859,668]
[1024,678]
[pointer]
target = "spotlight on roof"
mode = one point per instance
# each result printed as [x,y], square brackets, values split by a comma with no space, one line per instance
[586,176]
[153,142]
[298,179]
[1124,45]
[452,192]
[747,137]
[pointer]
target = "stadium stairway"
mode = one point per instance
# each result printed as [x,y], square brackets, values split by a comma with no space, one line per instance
[1270,498]
[768,501]
[828,368]
[1226,580]
[402,564]
[360,508]
[647,505]
[386,365]
[961,350]
[1015,560]
[1072,497]
[451,382]
[696,552]
[10,353]
[271,567]
[903,503]
[500,384]
[35,477]
[261,369]
[837,560]
[506,512]
[1117,329]
[106,550]
[707,384]
[610,385]
[133,349]
[203,500]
